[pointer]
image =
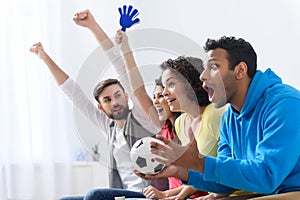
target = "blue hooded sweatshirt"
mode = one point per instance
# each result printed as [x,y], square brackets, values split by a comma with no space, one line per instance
[259,147]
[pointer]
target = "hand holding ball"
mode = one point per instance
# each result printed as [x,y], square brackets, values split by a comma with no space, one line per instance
[142,159]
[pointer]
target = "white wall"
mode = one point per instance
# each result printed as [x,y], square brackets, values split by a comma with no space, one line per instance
[272,27]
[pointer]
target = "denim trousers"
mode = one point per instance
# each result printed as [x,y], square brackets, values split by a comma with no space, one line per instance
[106,194]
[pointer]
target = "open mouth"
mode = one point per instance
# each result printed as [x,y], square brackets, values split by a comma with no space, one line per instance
[159,110]
[170,101]
[209,91]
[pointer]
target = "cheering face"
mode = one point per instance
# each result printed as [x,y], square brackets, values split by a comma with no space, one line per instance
[114,102]
[218,80]
[161,104]
[175,91]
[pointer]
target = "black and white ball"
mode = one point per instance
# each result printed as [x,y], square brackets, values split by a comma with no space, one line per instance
[142,159]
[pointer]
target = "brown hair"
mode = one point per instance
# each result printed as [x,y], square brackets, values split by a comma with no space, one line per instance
[104,84]
[190,69]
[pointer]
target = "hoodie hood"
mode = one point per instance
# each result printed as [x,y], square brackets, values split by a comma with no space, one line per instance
[258,86]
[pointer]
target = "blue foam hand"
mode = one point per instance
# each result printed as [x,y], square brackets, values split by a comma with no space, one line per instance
[127,17]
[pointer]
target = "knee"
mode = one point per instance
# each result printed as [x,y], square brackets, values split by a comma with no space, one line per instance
[90,195]
[94,195]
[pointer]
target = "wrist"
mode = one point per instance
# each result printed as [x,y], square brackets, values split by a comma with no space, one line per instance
[165,194]
[94,27]
[44,57]
[183,174]
[125,47]
[200,163]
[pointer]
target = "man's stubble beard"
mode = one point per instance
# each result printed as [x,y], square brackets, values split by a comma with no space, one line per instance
[120,116]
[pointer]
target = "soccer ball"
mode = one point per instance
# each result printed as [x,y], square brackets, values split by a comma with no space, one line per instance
[142,159]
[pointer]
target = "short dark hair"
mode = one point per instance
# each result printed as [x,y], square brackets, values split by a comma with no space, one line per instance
[104,84]
[238,50]
[190,68]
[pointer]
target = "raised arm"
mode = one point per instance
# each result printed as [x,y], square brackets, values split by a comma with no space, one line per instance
[136,80]
[59,75]
[86,19]
[72,90]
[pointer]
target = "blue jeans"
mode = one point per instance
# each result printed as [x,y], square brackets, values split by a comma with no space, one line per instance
[107,194]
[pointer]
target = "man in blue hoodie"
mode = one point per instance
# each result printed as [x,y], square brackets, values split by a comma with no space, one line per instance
[259,135]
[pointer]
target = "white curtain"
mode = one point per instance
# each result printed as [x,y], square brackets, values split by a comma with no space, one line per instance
[34,135]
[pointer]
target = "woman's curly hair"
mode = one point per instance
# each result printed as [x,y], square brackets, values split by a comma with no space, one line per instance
[189,69]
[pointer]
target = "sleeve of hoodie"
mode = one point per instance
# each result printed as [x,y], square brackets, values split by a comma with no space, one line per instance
[114,56]
[196,180]
[276,154]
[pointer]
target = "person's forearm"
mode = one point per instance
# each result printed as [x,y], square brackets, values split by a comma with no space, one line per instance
[183,174]
[138,87]
[59,75]
[200,164]
[187,191]
[172,192]
[101,37]
[134,75]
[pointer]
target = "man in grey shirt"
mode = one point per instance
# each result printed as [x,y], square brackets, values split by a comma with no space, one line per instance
[122,127]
